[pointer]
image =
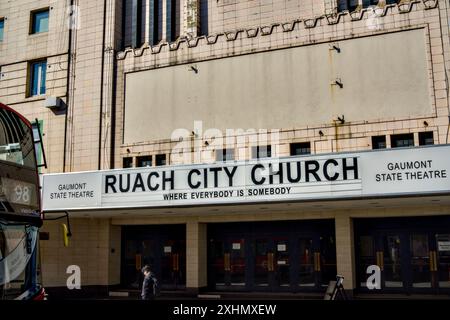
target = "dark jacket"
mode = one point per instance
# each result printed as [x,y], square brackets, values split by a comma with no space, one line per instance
[148,287]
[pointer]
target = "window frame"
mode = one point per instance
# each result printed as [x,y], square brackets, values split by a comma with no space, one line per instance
[2,23]
[124,159]
[33,14]
[139,158]
[256,155]
[30,78]
[301,145]
[426,135]
[394,136]
[375,139]
[221,154]
[160,155]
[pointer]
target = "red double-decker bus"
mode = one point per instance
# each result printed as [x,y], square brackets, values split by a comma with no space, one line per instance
[20,210]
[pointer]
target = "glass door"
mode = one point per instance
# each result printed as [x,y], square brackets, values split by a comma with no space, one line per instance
[367,256]
[317,263]
[441,261]
[280,263]
[262,256]
[326,260]
[173,264]
[389,251]
[228,261]
[217,254]
[422,271]
[137,254]
[236,262]
[390,259]
[307,263]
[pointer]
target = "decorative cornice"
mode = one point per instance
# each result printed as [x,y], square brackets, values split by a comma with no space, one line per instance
[289,26]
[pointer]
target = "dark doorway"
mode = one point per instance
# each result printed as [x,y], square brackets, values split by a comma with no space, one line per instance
[163,247]
[271,256]
[412,253]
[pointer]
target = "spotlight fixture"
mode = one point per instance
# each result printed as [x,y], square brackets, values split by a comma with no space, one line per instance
[338,82]
[193,68]
[206,143]
[341,119]
[128,150]
[321,133]
[425,124]
[335,47]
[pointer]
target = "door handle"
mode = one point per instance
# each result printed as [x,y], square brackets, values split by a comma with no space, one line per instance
[226,262]
[138,262]
[433,261]
[317,261]
[175,262]
[270,266]
[380,259]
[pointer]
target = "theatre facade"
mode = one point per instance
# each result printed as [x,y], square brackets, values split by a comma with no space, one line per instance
[237,146]
[271,225]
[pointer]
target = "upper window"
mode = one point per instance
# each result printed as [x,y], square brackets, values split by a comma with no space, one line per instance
[426,138]
[261,152]
[37,71]
[39,21]
[160,160]
[349,5]
[352,5]
[2,27]
[225,155]
[379,142]
[300,148]
[402,140]
[127,162]
[145,161]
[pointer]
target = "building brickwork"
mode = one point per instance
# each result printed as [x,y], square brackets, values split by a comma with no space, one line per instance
[90,68]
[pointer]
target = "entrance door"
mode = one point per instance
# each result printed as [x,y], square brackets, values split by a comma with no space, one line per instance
[389,251]
[263,264]
[411,261]
[280,263]
[228,262]
[161,247]
[392,249]
[271,261]
[173,264]
[317,261]
[137,253]
[279,256]
[308,267]
[441,261]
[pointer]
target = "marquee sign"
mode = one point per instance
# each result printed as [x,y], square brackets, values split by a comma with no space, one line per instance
[333,176]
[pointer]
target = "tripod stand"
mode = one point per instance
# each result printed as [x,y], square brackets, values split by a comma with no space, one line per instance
[336,289]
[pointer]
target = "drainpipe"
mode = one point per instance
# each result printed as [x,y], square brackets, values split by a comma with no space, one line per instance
[69,62]
[101,87]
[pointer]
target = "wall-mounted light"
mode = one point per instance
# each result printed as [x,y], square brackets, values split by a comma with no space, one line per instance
[321,133]
[425,124]
[206,143]
[335,47]
[341,119]
[128,150]
[193,68]
[337,82]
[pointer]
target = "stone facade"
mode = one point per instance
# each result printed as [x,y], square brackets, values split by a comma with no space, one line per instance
[88,66]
